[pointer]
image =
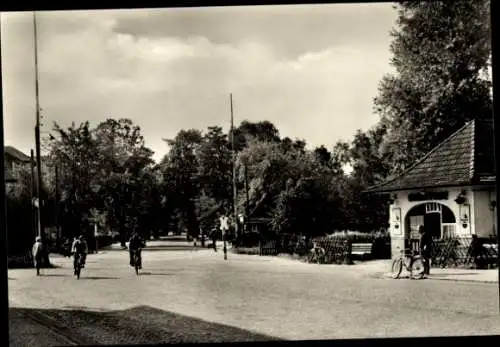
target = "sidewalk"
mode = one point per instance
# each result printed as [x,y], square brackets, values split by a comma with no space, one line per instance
[383,268]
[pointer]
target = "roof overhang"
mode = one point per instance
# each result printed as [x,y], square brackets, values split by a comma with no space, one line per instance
[381,190]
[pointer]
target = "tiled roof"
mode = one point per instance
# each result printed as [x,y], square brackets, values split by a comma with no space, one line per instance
[464,158]
[17,154]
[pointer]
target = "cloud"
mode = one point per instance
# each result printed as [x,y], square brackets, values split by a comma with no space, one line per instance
[92,68]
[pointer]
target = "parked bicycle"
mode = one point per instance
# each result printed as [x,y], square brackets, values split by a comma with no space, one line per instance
[317,255]
[411,261]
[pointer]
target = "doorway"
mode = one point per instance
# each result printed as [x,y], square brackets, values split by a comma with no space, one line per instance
[432,224]
[438,220]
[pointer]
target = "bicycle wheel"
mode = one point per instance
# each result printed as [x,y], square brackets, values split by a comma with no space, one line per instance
[78,270]
[397,268]
[417,268]
[136,264]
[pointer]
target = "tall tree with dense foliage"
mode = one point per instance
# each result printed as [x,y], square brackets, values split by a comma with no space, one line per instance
[180,177]
[441,50]
[214,176]
[104,171]
[260,131]
[74,151]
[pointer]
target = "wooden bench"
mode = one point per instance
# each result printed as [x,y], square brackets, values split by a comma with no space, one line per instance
[361,249]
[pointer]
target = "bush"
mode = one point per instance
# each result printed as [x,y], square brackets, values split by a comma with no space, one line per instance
[246,250]
[250,239]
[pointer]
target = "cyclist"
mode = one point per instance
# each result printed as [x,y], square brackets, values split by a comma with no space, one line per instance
[135,245]
[79,248]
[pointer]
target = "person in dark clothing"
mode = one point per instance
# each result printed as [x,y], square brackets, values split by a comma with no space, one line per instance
[425,248]
[135,244]
[477,253]
[214,238]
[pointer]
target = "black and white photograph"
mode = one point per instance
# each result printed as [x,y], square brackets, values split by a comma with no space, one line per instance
[253,173]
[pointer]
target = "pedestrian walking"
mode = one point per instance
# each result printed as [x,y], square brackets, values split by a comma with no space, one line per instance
[37,252]
[202,239]
[425,248]
[214,238]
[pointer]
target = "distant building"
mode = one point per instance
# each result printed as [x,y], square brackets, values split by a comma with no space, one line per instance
[13,159]
[450,191]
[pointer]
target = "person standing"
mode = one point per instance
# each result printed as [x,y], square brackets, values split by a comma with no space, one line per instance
[425,248]
[214,238]
[37,252]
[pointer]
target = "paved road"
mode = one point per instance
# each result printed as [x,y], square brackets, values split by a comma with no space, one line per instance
[259,297]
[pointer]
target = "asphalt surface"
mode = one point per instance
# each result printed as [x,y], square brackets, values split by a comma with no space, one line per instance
[196,296]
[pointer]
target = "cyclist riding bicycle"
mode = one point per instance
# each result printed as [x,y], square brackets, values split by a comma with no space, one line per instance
[79,248]
[135,245]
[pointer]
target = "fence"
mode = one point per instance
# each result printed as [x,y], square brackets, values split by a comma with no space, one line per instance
[455,251]
[269,248]
[337,249]
[22,260]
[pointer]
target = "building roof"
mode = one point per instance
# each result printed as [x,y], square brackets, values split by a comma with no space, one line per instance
[464,158]
[17,154]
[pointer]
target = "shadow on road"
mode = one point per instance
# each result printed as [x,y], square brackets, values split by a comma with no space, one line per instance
[83,277]
[138,325]
[155,274]
[53,275]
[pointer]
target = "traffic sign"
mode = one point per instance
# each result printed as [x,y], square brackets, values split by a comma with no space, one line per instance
[224,223]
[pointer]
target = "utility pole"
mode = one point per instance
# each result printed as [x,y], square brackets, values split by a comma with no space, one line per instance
[235,205]
[57,206]
[247,198]
[34,218]
[495,60]
[37,144]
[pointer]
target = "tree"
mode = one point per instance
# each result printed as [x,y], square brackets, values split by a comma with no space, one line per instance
[440,53]
[261,131]
[20,227]
[214,175]
[125,179]
[74,151]
[180,176]
[369,166]
[102,171]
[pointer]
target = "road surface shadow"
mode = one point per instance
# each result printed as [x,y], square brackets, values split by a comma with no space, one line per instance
[155,274]
[83,277]
[138,325]
[53,275]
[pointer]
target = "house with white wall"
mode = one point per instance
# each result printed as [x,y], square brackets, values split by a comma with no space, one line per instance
[451,190]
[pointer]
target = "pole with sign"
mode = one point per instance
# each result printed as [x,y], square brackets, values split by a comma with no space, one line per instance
[96,235]
[224,227]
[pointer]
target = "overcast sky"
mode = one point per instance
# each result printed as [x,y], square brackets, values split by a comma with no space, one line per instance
[311,70]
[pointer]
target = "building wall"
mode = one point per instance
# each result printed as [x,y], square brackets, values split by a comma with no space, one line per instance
[398,228]
[484,216]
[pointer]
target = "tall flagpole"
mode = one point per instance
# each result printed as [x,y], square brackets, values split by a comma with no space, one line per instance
[37,134]
[235,204]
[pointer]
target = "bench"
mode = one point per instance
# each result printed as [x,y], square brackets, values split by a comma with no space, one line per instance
[361,249]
